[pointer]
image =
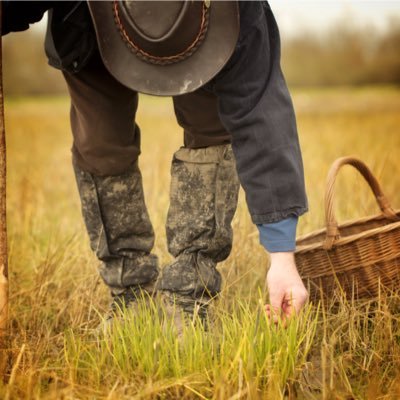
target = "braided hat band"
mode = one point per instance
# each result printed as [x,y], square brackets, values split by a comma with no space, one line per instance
[146,56]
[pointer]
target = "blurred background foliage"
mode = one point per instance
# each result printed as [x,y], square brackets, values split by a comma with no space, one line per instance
[25,68]
[342,54]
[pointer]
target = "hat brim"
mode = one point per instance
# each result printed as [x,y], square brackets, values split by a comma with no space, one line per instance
[173,79]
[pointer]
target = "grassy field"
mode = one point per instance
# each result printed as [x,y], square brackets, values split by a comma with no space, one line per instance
[350,351]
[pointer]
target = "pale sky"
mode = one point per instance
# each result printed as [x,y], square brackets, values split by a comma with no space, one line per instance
[295,15]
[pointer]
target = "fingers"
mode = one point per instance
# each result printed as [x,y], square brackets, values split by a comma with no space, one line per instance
[284,306]
[290,307]
[274,308]
[274,315]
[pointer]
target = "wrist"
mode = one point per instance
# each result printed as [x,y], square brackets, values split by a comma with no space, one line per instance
[283,260]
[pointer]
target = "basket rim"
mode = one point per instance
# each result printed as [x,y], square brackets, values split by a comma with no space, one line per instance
[347,239]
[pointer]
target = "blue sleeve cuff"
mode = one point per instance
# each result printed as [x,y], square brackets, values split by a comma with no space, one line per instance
[279,236]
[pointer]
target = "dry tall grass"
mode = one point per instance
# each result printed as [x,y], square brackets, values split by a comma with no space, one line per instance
[350,350]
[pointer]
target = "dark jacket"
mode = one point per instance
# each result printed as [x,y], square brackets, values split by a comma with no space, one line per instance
[70,37]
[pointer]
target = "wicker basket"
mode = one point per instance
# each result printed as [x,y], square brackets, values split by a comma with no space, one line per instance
[355,255]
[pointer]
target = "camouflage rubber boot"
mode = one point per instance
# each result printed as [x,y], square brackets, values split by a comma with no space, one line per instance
[181,309]
[120,232]
[132,298]
[203,200]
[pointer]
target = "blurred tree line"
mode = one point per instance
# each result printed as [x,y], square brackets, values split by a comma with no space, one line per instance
[25,68]
[341,55]
[344,55]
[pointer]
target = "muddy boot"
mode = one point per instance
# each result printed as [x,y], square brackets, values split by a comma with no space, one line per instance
[203,200]
[120,233]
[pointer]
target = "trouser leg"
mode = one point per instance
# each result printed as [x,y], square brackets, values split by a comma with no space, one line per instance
[197,114]
[106,140]
[203,199]
[105,151]
[119,227]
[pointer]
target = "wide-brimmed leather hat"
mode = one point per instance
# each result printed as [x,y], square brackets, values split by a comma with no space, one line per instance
[165,47]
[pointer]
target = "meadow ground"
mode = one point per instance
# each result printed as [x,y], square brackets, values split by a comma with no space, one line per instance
[350,351]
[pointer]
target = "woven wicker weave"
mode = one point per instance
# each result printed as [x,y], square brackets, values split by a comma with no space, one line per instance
[357,254]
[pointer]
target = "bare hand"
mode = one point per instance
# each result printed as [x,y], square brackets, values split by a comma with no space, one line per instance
[287,293]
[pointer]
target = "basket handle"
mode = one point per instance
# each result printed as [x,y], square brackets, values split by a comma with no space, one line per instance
[332,230]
